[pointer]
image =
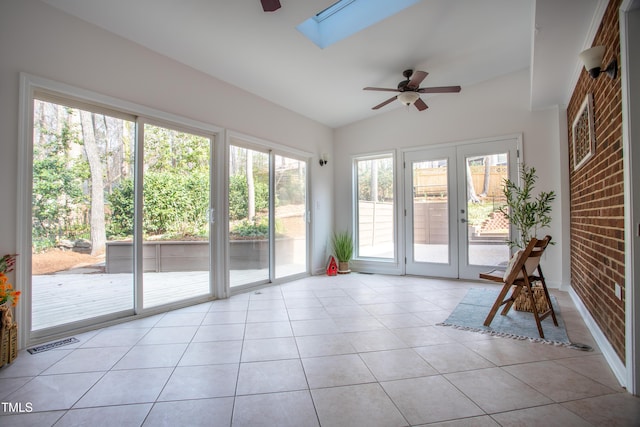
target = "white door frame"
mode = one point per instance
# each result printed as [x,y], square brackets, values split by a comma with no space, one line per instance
[456,197]
[629,16]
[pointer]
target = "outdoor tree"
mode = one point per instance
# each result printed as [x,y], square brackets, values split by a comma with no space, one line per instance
[57,184]
[251,191]
[471,191]
[488,162]
[97,220]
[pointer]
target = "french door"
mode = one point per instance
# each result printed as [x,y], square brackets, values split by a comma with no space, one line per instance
[453,195]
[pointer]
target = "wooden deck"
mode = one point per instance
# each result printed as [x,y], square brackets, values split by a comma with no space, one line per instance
[63,298]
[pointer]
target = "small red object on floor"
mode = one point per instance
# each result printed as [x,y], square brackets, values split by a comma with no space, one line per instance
[332,267]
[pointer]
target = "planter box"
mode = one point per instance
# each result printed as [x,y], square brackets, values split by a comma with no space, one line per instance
[248,254]
[161,256]
[254,254]
[166,256]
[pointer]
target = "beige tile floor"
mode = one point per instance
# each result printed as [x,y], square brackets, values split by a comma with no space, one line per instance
[353,350]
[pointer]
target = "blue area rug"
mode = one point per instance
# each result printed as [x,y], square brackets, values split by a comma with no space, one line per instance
[475,306]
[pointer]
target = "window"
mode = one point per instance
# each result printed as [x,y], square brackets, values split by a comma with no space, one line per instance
[375,207]
[346,17]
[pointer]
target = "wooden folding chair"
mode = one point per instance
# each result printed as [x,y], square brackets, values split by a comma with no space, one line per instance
[520,275]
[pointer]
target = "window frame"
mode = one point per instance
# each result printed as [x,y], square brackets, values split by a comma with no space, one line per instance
[272,150]
[372,264]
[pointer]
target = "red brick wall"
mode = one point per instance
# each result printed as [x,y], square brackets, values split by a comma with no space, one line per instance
[597,198]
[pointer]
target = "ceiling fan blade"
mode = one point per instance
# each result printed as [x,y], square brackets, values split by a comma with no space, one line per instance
[416,78]
[382,104]
[270,5]
[420,105]
[441,89]
[383,89]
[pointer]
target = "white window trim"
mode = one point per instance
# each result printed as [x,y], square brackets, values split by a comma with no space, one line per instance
[372,264]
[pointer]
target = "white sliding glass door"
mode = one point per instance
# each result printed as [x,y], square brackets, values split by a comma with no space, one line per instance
[82,199]
[290,216]
[120,215]
[268,224]
[249,216]
[175,215]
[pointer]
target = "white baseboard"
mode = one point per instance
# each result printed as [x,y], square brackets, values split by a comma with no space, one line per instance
[616,365]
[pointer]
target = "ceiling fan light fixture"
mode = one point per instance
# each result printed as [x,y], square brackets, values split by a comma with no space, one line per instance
[270,5]
[408,98]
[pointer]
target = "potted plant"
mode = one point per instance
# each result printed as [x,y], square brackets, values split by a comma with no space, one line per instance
[8,296]
[525,213]
[343,250]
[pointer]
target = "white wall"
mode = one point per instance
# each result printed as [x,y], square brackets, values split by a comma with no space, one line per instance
[45,42]
[494,108]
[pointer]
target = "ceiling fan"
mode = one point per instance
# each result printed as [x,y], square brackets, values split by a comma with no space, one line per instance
[270,5]
[409,90]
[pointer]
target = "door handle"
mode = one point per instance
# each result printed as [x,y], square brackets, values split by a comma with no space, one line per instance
[462,220]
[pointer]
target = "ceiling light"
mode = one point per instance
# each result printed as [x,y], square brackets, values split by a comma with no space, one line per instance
[408,98]
[592,59]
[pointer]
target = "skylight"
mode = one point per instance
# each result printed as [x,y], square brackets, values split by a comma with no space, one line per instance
[347,17]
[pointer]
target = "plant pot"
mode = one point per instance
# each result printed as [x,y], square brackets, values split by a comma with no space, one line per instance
[343,267]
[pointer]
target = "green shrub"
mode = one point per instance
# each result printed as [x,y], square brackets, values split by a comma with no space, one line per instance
[120,219]
[257,229]
[174,204]
[239,195]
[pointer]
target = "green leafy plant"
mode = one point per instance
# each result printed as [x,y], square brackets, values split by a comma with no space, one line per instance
[258,229]
[239,195]
[526,213]
[343,246]
[177,205]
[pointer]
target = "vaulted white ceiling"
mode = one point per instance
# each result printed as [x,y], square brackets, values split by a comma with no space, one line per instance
[459,42]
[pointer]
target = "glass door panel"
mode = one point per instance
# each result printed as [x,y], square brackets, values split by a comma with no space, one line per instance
[82,209]
[290,216]
[249,244]
[484,231]
[175,223]
[488,229]
[430,238]
[430,207]
[376,219]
